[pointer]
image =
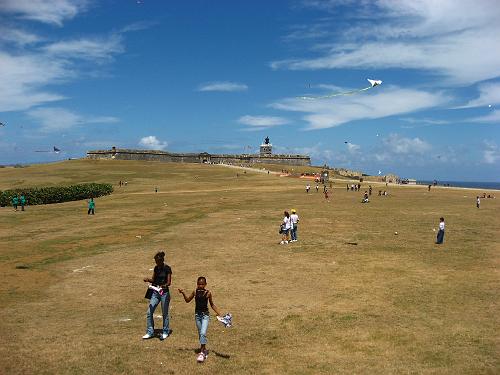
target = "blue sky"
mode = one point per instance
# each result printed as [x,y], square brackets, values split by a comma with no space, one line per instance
[220,76]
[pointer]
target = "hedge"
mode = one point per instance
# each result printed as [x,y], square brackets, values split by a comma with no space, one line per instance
[56,194]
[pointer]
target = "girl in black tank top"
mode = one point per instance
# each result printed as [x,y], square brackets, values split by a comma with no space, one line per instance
[201,301]
[202,297]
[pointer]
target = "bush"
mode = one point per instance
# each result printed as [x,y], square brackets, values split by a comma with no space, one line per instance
[56,194]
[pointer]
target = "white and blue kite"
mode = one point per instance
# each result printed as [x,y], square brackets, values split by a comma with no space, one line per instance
[373,83]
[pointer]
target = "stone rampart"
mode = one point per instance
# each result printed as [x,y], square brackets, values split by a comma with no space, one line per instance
[203,157]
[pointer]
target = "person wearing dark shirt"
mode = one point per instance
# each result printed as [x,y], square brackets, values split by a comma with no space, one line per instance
[162,277]
[202,297]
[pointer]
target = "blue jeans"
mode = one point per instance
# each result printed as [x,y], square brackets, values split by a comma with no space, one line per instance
[293,232]
[153,302]
[440,236]
[202,325]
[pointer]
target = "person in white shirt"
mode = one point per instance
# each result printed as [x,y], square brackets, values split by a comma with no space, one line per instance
[478,201]
[285,228]
[440,235]
[307,188]
[294,218]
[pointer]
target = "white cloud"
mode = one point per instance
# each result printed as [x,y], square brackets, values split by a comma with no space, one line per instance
[30,63]
[57,119]
[396,144]
[493,117]
[353,148]
[489,94]
[152,143]
[223,86]
[327,113]
[399,150]
[51,12]
[439,37]
[24,76]
[97,49]
[491,154]
[262,122]
[17,36]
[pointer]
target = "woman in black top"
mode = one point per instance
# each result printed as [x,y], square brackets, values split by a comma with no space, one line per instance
[201,314]
[162,277]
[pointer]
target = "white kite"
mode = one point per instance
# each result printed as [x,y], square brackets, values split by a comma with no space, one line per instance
[373,83]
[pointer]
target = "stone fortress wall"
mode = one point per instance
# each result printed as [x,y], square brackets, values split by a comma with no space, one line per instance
[265,157]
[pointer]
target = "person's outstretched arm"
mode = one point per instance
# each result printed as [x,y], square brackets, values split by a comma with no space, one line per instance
[210,299]
[186,298]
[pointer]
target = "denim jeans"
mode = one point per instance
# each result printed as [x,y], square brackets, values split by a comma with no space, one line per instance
[440,236]
[202,325]
[293,232]
[153,302]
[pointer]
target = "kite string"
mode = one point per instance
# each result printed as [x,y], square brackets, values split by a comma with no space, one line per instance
[335,94]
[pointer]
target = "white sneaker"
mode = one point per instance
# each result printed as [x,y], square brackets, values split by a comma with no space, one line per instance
[286,241]
[163,336]
[200,358]
[147,336]
[282,242]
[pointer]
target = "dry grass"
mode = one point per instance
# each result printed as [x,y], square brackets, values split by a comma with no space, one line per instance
[390,304]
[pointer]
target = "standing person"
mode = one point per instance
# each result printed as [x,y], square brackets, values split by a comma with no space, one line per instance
[201,313]
[326,193]
[285,228]
[478,201]
[308,187]
[317,187]
[440,235]
[15,202]
[294,218]
[370,189]
[91,207]
[22,200]
[347,187]
[162,278]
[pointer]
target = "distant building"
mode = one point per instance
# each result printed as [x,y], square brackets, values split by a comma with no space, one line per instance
[264,157]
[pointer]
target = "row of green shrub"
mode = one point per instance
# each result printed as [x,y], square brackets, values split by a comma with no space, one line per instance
[56,194]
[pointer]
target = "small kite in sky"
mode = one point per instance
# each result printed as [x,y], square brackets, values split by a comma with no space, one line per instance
[2,124]
[373,83]
[379,172]
[55,150]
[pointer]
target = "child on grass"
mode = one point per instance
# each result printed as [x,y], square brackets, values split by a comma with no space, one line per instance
[201,314]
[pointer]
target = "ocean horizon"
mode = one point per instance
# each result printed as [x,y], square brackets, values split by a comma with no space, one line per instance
[464,184]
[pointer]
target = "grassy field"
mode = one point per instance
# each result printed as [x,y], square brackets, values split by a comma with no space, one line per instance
[71,297]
